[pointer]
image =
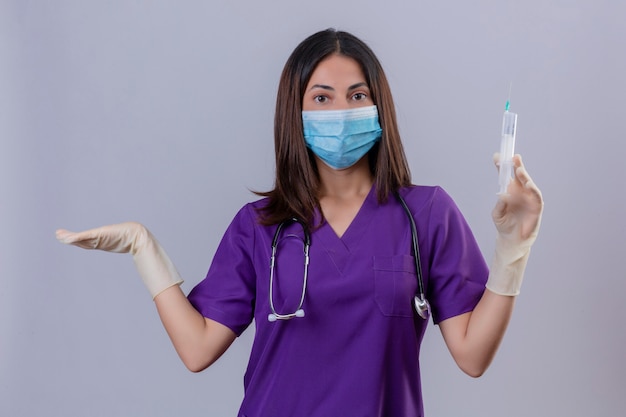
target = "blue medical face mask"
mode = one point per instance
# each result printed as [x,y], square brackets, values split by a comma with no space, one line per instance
[341,137]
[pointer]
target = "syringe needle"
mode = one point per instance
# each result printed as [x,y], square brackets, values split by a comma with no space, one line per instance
[508,100]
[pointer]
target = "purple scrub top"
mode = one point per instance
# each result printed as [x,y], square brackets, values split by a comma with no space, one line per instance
[356,351]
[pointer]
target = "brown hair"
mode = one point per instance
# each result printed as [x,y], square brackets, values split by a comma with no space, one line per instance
[297,180]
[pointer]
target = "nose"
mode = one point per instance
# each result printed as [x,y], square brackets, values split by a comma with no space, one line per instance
[341,104]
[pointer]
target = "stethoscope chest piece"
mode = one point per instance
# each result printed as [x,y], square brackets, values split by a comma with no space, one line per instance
[422,307]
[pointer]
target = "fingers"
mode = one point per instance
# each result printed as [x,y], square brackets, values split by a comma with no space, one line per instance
[120,238]
[499,211]
[65,236]
[524,178]
[87,239]
[496,160]
[520,171]
[521,175]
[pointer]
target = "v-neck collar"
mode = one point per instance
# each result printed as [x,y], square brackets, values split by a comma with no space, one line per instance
[339,248]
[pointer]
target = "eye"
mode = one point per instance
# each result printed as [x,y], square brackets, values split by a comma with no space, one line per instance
[320,99]
[359,97]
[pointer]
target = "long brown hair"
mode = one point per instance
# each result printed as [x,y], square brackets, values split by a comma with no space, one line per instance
[297,180]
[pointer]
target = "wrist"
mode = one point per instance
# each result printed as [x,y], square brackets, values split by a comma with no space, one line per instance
[157,271]
[507,267]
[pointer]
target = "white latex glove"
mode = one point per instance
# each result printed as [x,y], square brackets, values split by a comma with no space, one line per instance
[517,216]
[155,268]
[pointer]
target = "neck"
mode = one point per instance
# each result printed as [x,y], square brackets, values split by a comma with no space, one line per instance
[354,181]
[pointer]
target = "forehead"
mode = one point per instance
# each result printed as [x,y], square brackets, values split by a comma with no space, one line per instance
[335,69]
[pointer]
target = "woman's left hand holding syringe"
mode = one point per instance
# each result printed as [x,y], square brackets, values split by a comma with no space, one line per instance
[517,217]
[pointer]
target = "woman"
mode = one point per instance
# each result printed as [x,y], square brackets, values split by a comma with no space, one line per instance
[336,331]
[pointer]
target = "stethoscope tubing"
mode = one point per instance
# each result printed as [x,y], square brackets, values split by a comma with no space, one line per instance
[274,315]
[420,303]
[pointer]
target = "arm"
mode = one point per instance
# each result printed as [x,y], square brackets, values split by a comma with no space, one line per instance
[473,338]
[198,340]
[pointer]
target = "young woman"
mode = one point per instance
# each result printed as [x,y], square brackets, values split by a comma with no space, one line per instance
[328,265]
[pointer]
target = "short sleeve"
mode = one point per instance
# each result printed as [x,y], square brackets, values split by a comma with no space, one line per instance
[458,271]
[227,294]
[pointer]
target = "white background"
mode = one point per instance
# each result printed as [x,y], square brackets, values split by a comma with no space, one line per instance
[162,112]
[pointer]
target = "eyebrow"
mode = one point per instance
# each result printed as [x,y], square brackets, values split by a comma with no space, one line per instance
[329,88]
[358,85]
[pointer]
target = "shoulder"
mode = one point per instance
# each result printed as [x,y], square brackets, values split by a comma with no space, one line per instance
[256,206]
[433,206]
[248,216]
[419,197]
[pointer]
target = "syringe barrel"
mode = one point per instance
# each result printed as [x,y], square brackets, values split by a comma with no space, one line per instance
[507,145]
[507,149]
[509,123]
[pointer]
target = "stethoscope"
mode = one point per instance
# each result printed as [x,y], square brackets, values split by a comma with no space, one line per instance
[420,303]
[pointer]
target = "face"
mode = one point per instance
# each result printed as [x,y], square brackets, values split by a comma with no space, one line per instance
[337,83]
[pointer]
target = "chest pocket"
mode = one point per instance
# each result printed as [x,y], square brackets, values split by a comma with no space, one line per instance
[395,283]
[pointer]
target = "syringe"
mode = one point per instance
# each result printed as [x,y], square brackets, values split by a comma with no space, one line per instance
[507,147]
